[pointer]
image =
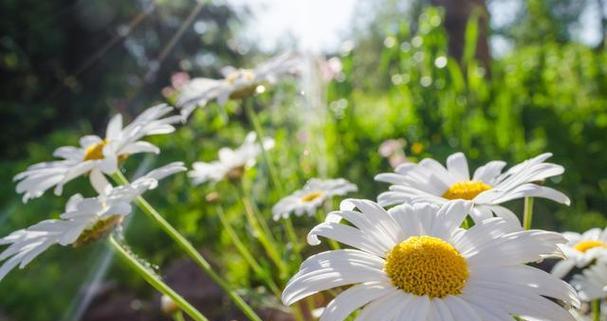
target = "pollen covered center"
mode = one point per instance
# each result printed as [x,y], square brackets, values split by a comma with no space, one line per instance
[426,265]
[466,190]
[311,196]
[586,245]
[97,230]
[95,151]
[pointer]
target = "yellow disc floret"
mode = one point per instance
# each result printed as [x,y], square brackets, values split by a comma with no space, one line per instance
[466,190]
[95,151]
[426,265]
[97,230]
[586,245]
[311,196]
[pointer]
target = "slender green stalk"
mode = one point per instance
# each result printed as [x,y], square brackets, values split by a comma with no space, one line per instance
[291,235]
[264,236]
[259,132]
[178,316]
[189,249]
[528,213]
[596,310]
[155,281]
[246,254]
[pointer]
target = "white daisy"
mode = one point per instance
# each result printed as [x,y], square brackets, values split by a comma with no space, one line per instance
[592,283]
[96,153]
[232,162]
[416,263]
[581,250]
[237,83]
[311,196]
[429,181]
[84,220]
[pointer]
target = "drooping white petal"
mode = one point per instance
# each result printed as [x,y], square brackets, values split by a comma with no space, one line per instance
[332,269]
[353,298]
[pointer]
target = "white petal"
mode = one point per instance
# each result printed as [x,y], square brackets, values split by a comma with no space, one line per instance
[458,166]
[139,147]
[114,127]
[332,269]
[489,171]
[353,298]
[460,310]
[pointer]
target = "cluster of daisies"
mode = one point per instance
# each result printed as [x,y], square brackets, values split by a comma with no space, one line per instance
[439,245]
[413,256]
[86,219]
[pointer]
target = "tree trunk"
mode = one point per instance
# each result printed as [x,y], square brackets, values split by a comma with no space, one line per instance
[457,14]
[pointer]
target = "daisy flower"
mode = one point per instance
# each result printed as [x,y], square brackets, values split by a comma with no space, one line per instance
[581,250]
[429,181]
[592,283]
[311,197]
[232,163]
[236,84]
[414,262]
[96,153]
[84,220]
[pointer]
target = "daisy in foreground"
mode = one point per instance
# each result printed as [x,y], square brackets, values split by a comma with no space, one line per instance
[581,250]
[429,181]
[96,154]
[84,220]
[237,83]
[416,263]
[311,197]
[232,163]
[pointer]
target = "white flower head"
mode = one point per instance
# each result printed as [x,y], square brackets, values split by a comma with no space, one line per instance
[414,262]
[84,220]
[592,283]
[232,162]
[581,250]
[237,84]
[311,197]
[487,188]
[96,154]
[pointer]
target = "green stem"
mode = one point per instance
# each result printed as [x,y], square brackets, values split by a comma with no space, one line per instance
[528,213]
[259,132]
[291,235]
[264,236]
[246,254]
[596,310]
[189,249]
[155,281]
[178,316]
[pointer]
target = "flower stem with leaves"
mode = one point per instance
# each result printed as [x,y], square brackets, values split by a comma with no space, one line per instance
[189,249]
[154,280]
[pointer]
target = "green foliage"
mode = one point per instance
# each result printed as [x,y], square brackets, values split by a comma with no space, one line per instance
[549,97]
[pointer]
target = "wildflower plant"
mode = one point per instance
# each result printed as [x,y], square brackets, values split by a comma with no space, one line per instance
[412,255]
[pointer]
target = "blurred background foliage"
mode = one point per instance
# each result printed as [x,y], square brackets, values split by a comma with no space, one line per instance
[67,66]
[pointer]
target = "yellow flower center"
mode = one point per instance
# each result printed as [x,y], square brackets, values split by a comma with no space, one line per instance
[466,190]
[97,230]
[244,75]
[311,196]
[95,151]
[235,173]
[426,265]
[584,246]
